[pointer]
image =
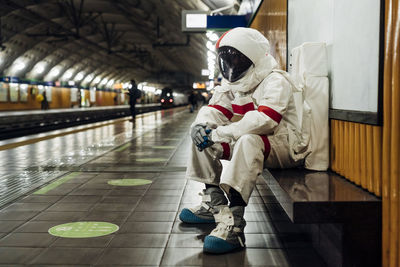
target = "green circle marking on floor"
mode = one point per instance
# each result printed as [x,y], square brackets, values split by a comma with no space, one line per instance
[129,182]
[83,229]
[152,160]
[164,147]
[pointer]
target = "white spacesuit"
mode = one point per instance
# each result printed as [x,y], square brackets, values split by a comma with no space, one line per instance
[250,120]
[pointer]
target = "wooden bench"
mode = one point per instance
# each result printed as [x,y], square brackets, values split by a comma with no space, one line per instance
[343,220]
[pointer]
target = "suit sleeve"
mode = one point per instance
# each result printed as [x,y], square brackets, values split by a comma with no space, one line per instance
[272,105]
[219,111]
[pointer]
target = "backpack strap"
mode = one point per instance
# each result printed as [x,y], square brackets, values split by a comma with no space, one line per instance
[295,87]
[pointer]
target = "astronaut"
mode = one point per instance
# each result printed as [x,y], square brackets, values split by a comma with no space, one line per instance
[251,121]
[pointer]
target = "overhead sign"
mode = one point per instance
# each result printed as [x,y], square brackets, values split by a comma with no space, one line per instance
[194,21]
[226,21]
[200,21]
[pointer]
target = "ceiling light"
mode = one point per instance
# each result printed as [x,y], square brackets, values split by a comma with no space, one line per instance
[210,46]
[54,72]
[110,83]
[89,78]
[205,72]
[97,80]
[104,81]
[40,67]
[79,76]
[19,66]
[213,37]
[68,74]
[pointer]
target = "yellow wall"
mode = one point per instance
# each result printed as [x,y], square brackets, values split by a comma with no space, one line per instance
[60,98]
[366,155]
[270,20]
[356,153]
[369,156]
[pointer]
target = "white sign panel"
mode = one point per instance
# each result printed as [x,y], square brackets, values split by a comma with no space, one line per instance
[14,88]
[74,94]
[196,20]
[93,95]
[23,92]
[48,93]
[351,30]
[3,92]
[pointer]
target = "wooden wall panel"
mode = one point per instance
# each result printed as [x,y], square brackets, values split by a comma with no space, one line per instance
[355,153]
[378,167]
[30,104]
[61,98]
[271,21]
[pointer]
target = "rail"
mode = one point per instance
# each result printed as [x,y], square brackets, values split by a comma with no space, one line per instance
[20,123]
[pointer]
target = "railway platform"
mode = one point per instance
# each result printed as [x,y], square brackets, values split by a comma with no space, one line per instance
[132,178]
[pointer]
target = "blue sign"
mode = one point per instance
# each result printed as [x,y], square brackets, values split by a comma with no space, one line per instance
[226,21]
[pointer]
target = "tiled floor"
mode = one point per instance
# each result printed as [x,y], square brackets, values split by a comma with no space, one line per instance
[150,233]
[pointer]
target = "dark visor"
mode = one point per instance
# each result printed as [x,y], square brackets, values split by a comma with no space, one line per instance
[232,63]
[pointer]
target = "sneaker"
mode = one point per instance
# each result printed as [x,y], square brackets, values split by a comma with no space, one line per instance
[212,198]
[228,235]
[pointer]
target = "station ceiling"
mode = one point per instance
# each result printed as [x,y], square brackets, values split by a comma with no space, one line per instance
[93,41]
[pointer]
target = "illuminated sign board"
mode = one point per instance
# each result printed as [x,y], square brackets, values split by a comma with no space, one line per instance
[200,85]
[200,21]
[194,20]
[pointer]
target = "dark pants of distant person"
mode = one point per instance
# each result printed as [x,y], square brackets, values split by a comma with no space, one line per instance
[133,112]
[44,105]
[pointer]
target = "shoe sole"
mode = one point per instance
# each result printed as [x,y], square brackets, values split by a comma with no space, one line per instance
[189,217]
[215,245]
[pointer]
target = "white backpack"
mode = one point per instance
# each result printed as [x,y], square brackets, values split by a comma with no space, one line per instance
[309,70]
[310,85]
[300,145]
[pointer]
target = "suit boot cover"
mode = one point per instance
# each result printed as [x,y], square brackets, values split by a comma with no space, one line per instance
[212,198]
[228,235]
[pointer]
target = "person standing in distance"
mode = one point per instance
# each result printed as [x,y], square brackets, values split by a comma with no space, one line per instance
[134,94]
[44,103]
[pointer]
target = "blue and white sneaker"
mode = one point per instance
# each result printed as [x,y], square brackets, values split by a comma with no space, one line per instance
[228,235]
[212,198]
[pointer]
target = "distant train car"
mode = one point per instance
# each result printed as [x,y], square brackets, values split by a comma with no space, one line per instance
[172,98]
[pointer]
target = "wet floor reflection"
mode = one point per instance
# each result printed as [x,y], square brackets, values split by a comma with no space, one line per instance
[35,161]
[81,143]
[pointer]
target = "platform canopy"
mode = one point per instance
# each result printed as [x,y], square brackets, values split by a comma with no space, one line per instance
[93,41]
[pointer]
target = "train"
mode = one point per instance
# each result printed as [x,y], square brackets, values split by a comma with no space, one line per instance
[172,97]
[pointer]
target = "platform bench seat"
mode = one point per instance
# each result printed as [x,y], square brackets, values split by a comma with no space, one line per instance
[342,219]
